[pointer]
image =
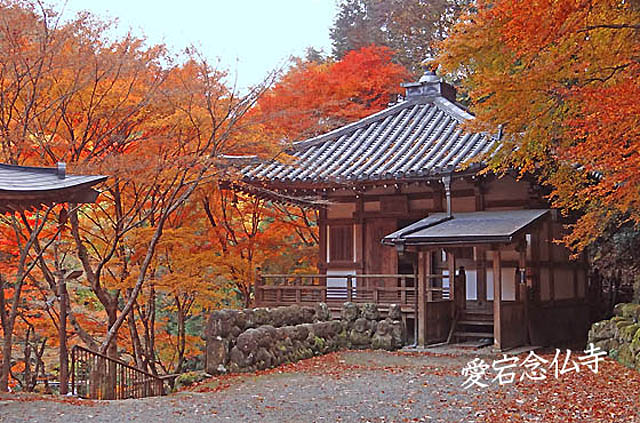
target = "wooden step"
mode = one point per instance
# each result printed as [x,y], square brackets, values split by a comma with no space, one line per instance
[480,311]
[475,319]
[476,322]
[477,316]
[474,334]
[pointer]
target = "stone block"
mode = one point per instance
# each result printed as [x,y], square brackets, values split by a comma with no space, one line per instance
[350,312]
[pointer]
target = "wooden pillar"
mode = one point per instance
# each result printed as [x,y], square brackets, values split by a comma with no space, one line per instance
[421,313]
[550,260]
[497,298]
[322,235]
[259,292]
[460,290]
[522,292]
[522,267]
[533,271]
[451,264]
[359,228]
[481,275]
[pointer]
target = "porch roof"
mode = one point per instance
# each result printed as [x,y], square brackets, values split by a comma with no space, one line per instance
[481,227]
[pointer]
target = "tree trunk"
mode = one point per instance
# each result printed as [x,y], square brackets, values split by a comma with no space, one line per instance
[112,352]
[135,340]
[6,358]
[181,336]
[63,352]
[26,375]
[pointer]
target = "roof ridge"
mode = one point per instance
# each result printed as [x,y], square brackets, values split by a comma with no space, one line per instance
[29,168]
[454,109]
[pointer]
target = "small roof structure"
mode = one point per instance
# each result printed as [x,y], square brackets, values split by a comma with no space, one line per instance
[25,187]
[420,137]
[483,227]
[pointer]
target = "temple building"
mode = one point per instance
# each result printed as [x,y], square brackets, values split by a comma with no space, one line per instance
[406,216]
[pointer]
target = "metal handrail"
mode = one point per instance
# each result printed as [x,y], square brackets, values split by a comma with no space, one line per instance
[97,376]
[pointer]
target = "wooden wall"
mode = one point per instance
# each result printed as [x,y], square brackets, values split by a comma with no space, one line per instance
[438,321]
[558,324]
[512,324]
[380,210]
[558,286]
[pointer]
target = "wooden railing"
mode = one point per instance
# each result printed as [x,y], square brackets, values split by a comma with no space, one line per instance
[97,376]
[382,289]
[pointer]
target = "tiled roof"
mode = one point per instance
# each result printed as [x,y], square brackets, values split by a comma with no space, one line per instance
[23,188]
[16,179]
[419,137]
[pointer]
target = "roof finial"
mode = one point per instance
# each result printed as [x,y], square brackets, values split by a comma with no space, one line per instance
[430,67]
[430,84]
[61,170]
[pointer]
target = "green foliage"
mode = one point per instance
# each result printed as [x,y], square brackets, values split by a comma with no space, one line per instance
[407,26]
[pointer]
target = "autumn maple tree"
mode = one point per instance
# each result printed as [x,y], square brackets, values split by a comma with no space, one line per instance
[173,235]
[115,107]
[314,97]
[562,79]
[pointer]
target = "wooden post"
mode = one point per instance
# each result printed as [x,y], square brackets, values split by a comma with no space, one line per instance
[460,289]
[422,281]
[259,293]
[322,235]
[349,289]
[403,293]
[522,266]
[522,290]
[481,275]
[497,298]
[533,270]
[62,333]
[359,228]
[551,260]
[451,263]
[525,306]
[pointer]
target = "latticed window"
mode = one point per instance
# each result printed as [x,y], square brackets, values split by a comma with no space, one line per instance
[341,243]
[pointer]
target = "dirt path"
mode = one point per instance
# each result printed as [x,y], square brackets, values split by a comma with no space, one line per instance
[342,387]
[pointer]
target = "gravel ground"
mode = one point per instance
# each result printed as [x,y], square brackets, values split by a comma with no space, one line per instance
[342,387]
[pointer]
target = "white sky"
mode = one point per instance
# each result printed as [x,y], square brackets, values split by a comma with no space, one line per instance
[251,37]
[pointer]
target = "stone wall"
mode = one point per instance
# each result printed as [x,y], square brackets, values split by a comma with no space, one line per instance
[260,338]
[620,335]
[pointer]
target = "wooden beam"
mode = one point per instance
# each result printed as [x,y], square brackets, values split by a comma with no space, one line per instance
[497,298]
